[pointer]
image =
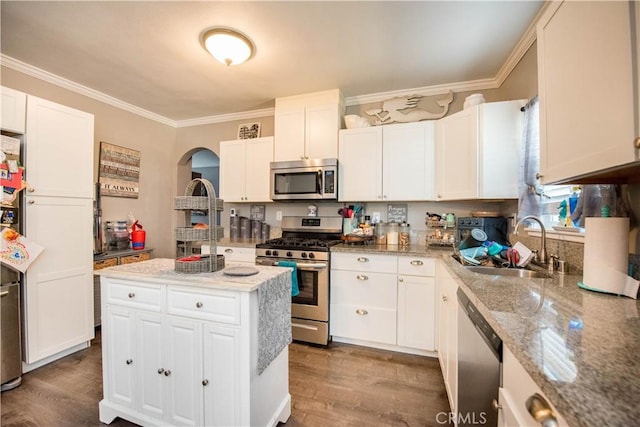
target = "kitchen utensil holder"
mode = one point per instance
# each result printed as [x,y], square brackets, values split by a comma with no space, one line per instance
[188,235]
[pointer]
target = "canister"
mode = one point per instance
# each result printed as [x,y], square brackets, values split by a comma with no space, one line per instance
[404,237]
[256,229]
[266,231]
[234,227]
[245,228]
[392,233]
[381,233]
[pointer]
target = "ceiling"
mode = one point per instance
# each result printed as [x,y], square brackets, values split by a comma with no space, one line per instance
[148,54]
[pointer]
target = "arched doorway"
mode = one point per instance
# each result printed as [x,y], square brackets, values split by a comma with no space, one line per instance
[199,162]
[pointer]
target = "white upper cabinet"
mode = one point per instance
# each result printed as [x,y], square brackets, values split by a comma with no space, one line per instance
[360,164]
[306,126]
[59,150]
[478,152]
[244,169]
[587,89]
[13,110]
[390,162]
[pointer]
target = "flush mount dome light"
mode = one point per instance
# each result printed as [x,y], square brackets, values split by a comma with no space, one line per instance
[227,45]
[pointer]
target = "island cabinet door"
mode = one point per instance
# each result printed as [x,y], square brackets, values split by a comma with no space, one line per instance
[119,354]
[182,372]
[222,380]
[150,364]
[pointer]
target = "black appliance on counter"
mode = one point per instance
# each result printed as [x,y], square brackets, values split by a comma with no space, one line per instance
[306,241]
[496,228]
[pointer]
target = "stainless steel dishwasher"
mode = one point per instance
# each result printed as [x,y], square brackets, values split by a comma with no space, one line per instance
[479,367]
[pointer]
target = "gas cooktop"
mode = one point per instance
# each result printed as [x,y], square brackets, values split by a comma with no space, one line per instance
[299,243]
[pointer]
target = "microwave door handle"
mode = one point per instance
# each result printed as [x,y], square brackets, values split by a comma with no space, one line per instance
[319,182]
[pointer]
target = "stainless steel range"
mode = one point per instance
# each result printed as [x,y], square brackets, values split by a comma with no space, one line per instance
[306,241]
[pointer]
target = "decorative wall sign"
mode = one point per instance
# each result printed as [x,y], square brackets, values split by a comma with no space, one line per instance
[403,110]
[397,213]
[119,171]
[257,212]
[249,131]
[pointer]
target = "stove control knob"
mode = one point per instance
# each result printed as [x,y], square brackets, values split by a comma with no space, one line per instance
[311,255]
[274,253]
[303,254]
[289,254]
[267,252]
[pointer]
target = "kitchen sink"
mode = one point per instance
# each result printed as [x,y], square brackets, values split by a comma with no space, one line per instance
[509,272]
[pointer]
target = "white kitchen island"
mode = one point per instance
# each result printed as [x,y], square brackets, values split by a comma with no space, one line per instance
[204,349]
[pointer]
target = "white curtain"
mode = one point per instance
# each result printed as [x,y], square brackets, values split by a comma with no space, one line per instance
[529,188]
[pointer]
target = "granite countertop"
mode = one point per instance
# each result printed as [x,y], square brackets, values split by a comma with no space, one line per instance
[162,270]
[238,243]
[580,347]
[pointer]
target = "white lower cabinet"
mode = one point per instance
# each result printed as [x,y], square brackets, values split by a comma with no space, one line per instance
[238,254]
[371,304]
[176,355]
[416,303]
[448,332]
[517,388]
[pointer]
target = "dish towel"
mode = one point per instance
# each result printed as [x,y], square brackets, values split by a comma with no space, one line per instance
[295,291]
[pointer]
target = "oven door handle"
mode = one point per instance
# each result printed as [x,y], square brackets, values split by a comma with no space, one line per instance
[307,266]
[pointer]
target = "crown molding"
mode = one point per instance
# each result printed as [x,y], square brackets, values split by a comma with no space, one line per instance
[54,79]
[526,41]
[221,118]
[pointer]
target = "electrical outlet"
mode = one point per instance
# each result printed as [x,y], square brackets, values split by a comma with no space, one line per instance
[278,215]
[375,218]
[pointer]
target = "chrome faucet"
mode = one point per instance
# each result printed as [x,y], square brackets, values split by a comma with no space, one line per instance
[540,257]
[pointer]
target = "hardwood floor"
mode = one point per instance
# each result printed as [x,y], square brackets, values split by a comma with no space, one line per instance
[344,385]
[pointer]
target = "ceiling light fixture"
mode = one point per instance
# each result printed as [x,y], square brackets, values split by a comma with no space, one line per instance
[227,45]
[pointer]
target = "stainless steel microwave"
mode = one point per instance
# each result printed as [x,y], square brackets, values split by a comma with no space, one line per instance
[305,180]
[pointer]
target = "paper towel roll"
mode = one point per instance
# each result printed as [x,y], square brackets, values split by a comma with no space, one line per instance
[606,257]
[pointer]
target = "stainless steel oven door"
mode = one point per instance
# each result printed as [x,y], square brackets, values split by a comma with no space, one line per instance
[313,282]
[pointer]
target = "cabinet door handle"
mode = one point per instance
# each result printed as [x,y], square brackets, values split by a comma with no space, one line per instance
[129,361]
[31,202]
[228,251]
[363,259]
[495,405]
[4,293]
[401,280]
[131,295]
[540,410]
[444,298]
[160,370]
[361,312]
[205,382]
[167,373]
[199,304]
[31,189]
[416,262]
[362,277]
[636,143]
[539,175]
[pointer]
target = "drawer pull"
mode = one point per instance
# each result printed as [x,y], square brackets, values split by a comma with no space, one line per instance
[444,298]
[362,312]
[199,304]
[417,262]
[228,251]
[129,361]
[167,373]
[363,259]
[160,370]
[540,410]
[131,295]
[205,382]
[362,277]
